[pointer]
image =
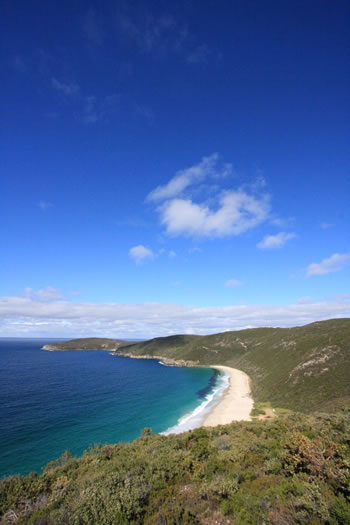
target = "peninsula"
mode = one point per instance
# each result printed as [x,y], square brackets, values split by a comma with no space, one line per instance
[87,343]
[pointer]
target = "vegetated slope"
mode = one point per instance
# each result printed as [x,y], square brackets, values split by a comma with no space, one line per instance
[292,470]
[302,368]
[87,343]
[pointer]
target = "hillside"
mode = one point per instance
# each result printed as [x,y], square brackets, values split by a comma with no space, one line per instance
[88,343]
[292,470]
[303,368]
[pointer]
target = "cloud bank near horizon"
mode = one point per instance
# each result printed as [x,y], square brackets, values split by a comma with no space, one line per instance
[26,317]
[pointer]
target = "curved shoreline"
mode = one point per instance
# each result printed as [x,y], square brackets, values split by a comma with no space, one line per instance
[236,402]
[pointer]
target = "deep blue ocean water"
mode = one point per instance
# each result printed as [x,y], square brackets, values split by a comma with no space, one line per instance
[56,401]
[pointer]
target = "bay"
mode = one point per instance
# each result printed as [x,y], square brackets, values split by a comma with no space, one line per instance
[51,402]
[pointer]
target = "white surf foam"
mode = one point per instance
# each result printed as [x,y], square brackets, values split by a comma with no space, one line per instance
[196,417]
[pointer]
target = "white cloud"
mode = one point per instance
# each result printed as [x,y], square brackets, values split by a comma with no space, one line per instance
[140,253]
[67,89]
[232,283]
[275,241]
[335,263]
[237,213]
[172,253]
[207,167]
[24,316]
[229,212]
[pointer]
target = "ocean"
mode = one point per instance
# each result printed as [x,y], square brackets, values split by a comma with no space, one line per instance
[51,402]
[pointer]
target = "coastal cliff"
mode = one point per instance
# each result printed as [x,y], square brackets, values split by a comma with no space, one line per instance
[167,361]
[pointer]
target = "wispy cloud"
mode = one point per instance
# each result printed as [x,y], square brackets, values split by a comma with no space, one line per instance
[44,205]
[232,212]
[89,108]
[97,109]
[90,115]
[140,253]
[27,316]
[231,283]
[334,263]
[304,300]
[46,294]
[275,241]
[207,167]
[67,89]
[199,55]
[162,34]
[150,33]
[18,64]
[145,112]
[92,27]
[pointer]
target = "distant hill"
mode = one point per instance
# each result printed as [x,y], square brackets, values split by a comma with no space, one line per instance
[302,368]
[87,343]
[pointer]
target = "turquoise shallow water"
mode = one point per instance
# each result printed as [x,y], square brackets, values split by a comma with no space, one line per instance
[56,401]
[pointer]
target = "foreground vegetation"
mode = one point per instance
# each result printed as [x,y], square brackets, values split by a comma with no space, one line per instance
[294,469]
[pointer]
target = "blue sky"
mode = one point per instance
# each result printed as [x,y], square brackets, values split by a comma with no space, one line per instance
[173,167]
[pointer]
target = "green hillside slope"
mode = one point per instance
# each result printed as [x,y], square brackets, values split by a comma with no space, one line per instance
[302,368]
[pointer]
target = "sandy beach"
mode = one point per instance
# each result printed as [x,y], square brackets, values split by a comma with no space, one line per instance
[236,402]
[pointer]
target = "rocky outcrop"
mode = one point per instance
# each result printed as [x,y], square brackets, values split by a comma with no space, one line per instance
[163,360]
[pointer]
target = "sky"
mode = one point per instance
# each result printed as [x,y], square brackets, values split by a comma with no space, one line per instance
[173,167]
